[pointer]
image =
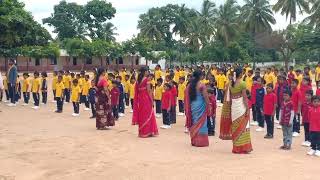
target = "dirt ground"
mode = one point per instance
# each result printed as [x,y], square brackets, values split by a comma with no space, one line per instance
[39,144]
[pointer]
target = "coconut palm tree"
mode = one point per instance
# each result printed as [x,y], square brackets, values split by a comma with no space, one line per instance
[289,8]
[150,27]
[314,18]
[108,30]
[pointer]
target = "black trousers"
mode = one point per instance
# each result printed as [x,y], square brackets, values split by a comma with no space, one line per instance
[306,131]
[84,99]
[220,95]
[254,113]
[173,115]
[44,97]
[1,95]
[67,95]
[59,104]
[36,98]
[166,117]
[131,101]
[121,105]
[158,106]
[12,93]
[259,117]
[54,94]
[93,109]
[315,140]
[296,123]
[270,124]
[76,107]
[115,111]
[126,97]
[211,123]
[181,106]
[7,94]
[26,97]
[278,112]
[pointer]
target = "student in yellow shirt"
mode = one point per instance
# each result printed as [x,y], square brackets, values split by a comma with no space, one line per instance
[299,77]
[157,96]
[25,89]
[181,90]
[249,80]
[176,74]
[123,74]
[35,89]
[75,97]
[317,74]
[268,76]
[44,87]
[67,86]
[54,83]
[221,80]
[131,92]
[182,73]
[84,92]
[157,72]
[59,94]
[126,86]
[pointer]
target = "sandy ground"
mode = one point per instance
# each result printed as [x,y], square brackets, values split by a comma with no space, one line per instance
[39,144]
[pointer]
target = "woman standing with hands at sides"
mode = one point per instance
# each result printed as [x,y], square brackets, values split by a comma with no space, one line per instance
[104,117]
[143,113]
[239,115]
[197,108]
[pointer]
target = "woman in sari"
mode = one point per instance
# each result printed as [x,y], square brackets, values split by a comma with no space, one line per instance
[197,102]
[239,115]
[104,117]
[143,113]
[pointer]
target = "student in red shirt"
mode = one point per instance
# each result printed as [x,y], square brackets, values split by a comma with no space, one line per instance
[296,102]
[314,115]
[305,108]
[166,106]
[269,109]
[115,93]
[318,89]
[174,94]
[304,87]
[211,118]
[278,90]
[286,120]
[254,88]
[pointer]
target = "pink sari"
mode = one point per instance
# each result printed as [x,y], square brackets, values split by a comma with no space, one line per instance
[143,113]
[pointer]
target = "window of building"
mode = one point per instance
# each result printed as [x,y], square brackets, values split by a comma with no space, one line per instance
[37,62]
[74,61]
[137,60]
[53,61]
[89,60]
[107,60]
[120,60]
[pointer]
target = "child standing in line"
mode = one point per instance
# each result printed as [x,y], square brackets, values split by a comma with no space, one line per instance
[254,88]
[318,89]
[75,97]
[286,120]
[44,87]
[269,108]
[314,114]
[67,86]
[60,94]
[296,102]
[260,92]
[211,118]
[115,93]
[85,91]
[53,85]
[131,91]
[281,85]
[181,90]
[174,93]
[25,89]
[158,97]
[18,90]
[305,108]
[126,89]
[92,93]
[166,106]
[121,96]
[35,89]
[221,80]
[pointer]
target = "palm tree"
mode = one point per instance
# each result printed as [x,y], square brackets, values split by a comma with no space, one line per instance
[226,21]
[182,21]
[109,32]
[314,18]
[150,27]
[289,8]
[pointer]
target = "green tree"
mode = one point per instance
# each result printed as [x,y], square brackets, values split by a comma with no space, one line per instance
[314,18]
[290,8]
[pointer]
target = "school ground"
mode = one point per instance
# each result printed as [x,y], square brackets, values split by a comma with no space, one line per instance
[39,144]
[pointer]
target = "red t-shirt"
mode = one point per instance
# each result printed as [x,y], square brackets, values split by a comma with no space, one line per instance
[213,105]
[269,103]
[318,92]
[295,98]
[314,115]
[303,89]
[254,92]
[174,94]
[305,108]
[114,93]
[166,100]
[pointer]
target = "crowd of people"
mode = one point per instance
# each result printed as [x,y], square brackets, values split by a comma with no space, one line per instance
[246,96]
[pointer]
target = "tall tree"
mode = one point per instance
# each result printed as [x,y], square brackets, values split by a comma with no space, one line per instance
[290,7]
[207,17]
[314,18]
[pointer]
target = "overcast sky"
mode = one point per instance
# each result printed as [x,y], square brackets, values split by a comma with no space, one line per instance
[128,11]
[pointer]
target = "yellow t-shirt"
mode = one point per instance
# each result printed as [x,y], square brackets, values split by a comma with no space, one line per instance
[59,89]
[123,76]
[25,85]
[5,84]
[85,87]
[249,82]
[157,74]
[126,86]
[35,88]
[176,76]
[54,82]
[204,81]
[247,70]
[66,81]
[181,88]
[269,78]
[221,81]
[75,92]
[299,78]
[214,72]
[81,81]
[131,90]
[182,73]
[158,92]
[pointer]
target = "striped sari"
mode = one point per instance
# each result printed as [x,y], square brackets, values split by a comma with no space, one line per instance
[240,121]
[225,120]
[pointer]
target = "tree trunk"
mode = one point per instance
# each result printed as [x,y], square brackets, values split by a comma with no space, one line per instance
[28,60]
[101,61]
